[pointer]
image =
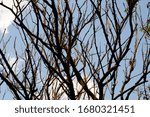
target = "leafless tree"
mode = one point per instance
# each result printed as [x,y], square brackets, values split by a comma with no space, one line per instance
[77,49]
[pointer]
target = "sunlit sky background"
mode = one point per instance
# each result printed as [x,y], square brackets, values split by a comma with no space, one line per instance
[6,23]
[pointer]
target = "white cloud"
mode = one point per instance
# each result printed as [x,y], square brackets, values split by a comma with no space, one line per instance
[6,17]
[90,84]
[60,94]
[16,64]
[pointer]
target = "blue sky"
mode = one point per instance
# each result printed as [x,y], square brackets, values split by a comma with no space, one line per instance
[6,21]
